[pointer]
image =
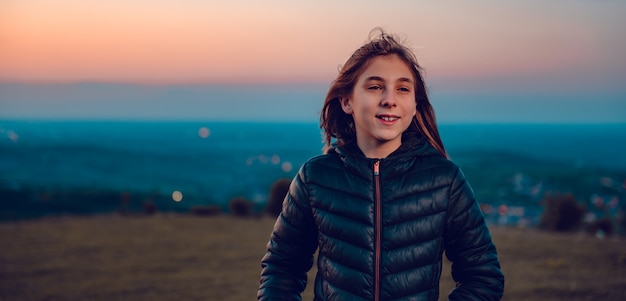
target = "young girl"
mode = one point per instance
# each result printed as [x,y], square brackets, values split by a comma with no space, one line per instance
[383,203]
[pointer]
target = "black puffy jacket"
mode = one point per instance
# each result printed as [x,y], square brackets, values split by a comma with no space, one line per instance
[381,226]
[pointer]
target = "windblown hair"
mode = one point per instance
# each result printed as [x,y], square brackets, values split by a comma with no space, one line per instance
[335,123]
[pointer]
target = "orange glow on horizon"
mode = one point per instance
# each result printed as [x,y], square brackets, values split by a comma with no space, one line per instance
[166,41]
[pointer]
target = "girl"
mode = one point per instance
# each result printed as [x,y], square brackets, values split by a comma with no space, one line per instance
[383,203]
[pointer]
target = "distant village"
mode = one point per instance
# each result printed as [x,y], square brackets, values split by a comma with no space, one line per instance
[523,204]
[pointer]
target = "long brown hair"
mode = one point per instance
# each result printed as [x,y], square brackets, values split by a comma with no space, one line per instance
[337,124]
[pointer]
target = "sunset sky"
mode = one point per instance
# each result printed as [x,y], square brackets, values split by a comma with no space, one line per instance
[553,48]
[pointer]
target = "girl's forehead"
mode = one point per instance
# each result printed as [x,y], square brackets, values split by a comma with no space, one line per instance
[389,67]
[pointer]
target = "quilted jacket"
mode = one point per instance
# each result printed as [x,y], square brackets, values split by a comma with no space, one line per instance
[380,227]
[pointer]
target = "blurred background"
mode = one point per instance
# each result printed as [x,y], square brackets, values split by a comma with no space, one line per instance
[214,100]
[197,102]
[137,107]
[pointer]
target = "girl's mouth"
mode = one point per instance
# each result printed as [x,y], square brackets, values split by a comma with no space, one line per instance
[387,118]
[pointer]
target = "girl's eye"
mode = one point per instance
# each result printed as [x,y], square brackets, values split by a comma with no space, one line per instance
[404,89]
[374,88]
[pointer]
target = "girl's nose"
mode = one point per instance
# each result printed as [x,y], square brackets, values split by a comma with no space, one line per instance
[388,100]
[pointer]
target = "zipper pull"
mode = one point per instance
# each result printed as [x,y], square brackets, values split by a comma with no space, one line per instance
[377,167]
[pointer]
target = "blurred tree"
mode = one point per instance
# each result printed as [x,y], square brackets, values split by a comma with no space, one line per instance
[278,191]
[125,198]
[240,207]
[149,207]
[561,212]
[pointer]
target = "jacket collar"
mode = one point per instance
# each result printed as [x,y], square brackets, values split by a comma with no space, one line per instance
[413,145]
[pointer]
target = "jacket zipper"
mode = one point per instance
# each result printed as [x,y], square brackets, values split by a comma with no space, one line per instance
[377,225]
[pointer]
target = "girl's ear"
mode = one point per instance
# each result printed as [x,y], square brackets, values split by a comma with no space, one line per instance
[346,105]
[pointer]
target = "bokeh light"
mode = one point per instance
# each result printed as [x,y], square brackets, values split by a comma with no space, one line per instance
[177,196]
[286,166]
[204,132]
[11,134]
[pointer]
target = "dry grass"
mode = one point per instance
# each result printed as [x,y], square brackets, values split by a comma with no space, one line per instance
[174,257]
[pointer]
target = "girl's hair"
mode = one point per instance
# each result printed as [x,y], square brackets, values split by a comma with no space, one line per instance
[337,124]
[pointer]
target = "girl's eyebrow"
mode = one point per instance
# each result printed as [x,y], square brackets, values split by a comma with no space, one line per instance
[405,80]
[378,78]
[375,78]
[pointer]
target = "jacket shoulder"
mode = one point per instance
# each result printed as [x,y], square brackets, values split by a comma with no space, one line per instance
[322,164]
[438,164]
[321,159]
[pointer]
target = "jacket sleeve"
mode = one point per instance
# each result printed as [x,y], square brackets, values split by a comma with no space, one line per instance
[475,265]
[290,249]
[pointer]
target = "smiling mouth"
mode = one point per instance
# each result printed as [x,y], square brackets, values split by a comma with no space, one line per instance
[387,118]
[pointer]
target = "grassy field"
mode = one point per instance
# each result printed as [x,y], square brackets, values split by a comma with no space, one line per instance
[179,257]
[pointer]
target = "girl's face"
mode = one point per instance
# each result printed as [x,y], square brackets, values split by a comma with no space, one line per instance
[382,105]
